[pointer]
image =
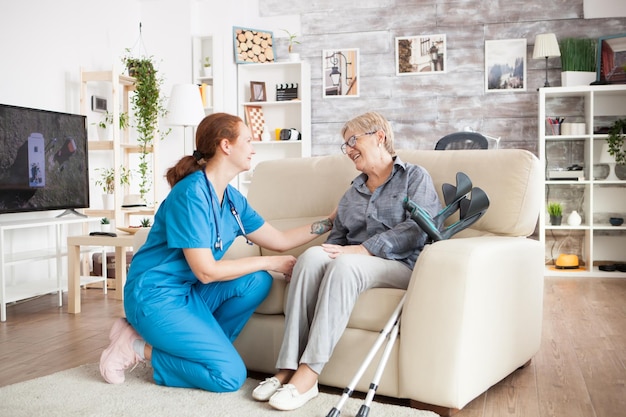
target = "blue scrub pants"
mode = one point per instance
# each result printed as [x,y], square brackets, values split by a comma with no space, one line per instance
[191,337]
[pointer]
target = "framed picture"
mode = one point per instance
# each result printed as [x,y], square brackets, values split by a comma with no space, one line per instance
[257,91]
[420,54]
[611,61]
[253,45]
[505,65]
[255,120]
[340,73]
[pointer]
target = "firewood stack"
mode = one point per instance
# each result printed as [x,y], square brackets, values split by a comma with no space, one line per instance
[254,46]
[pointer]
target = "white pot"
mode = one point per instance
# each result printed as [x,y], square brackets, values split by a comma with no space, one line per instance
[106,227]
[108,201]
[103,133]
[577,78]
[294,57]
[208,71]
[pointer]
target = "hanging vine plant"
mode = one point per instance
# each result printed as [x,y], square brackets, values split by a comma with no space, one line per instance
[615,139]
[147,107]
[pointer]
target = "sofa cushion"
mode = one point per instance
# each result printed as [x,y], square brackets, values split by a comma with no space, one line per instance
[513,203]
[314,185]
[374,308]
[300,187]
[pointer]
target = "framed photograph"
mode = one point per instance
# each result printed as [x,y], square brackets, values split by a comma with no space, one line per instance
[253,45]
[611,61]
[505,65]
[420,54]
[255,120]
[257,91]
[340,73]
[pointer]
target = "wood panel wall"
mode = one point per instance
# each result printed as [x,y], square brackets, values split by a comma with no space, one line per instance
[423,108]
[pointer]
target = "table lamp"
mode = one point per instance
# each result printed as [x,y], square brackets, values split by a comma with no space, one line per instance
[546,46]
[607,158]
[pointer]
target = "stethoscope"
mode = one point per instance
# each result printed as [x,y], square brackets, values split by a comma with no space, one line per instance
[218,243]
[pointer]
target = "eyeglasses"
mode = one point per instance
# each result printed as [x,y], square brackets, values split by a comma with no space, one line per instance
[352,141]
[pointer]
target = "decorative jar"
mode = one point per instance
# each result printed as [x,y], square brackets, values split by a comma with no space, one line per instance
[574,219]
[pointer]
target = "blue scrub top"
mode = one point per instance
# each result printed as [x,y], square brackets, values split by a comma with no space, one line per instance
[186,219]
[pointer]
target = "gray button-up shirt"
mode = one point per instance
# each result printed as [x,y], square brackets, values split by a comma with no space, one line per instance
[379,221]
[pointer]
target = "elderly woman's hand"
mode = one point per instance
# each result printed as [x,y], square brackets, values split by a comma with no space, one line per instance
[336,250]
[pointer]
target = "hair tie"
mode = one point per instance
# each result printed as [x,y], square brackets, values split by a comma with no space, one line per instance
[198,155]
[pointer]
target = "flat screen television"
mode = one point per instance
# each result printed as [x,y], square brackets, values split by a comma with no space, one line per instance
[43,160]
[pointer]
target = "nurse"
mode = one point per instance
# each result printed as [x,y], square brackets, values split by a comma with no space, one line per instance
[184,304]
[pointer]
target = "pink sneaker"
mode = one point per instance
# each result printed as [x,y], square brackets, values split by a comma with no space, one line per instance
[120,354]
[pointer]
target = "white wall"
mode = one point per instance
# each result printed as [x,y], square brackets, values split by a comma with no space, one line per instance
[44,44]
[42,55]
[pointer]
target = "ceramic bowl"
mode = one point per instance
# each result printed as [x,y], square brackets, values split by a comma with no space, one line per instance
[616,221]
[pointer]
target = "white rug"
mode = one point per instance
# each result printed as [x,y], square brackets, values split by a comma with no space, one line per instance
[81,392]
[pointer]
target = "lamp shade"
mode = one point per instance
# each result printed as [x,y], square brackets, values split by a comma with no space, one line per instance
[605,156]
[546,46]
[185,106]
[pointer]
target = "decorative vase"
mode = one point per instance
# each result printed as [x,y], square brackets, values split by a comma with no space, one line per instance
[107,201]
[555,220]
[574,219]
[265,136]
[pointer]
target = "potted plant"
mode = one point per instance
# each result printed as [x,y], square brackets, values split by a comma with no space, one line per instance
[208,71]
[615,140]
[147,105]
[555,210]
[107,182]
[291,39]
[105,224]
[578,61]
[145,222]
[107,120]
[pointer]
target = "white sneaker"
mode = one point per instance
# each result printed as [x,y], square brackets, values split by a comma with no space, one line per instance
[266,389]
[288,398]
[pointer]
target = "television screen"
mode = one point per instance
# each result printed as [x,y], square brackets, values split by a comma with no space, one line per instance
[43,160]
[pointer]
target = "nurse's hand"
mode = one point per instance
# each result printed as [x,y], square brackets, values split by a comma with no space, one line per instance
[283,264]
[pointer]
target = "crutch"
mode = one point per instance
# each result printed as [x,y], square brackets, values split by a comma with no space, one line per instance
[365,407]
[392,328]
[456,198]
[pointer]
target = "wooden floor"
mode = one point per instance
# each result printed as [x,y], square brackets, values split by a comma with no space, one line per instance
[580,370]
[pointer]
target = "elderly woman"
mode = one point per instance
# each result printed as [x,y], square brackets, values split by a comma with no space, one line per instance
[373,243]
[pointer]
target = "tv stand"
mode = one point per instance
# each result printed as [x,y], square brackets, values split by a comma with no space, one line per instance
[69,212]
[14,288]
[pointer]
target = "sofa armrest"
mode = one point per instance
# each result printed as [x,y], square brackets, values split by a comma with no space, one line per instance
[472,316]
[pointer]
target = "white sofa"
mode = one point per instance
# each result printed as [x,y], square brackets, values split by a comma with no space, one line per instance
[474,305]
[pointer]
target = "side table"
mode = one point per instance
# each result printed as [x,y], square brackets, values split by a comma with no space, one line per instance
[120,242]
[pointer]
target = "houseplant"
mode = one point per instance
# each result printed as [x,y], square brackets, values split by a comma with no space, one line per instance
[615,140]
[208,72]
[106,181]
[291,39]
[555,210]
[578,61]
[105,224]
[147,105]
[107,120]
